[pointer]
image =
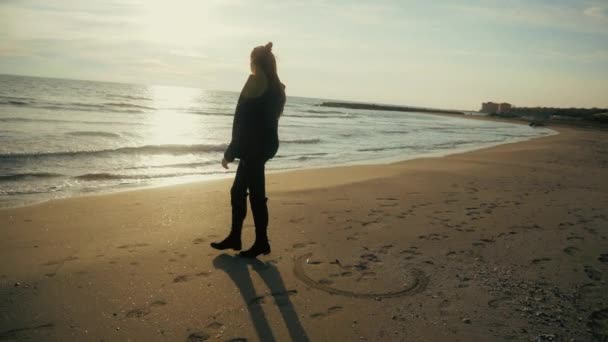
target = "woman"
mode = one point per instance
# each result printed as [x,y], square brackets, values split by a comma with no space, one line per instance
[255,140]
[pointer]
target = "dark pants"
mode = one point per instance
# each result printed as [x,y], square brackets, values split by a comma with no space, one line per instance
[250,176]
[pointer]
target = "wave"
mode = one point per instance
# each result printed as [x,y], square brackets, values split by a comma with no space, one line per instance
[180,165]
[147,149]
[95,134]
[301,141]
[104,176]
[130,97]
[17,103]
[127,105]
[19,98]
[325,111]
[394,132]
[386,148]
[24,192]
[95,109]
[449,144]
[15,119]
[30,175]
[301,156]
[202,112]
[463,142]
[118,107]
[344,116]
[113,176]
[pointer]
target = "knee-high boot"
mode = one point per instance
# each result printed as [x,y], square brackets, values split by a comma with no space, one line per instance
[260,219]
[239,212]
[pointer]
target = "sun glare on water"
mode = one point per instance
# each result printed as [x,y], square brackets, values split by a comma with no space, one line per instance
[167,124]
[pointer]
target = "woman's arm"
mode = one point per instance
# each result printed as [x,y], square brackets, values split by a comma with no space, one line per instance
[234,147]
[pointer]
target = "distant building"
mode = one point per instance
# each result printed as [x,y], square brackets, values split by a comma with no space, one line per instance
[493,108]
[490,107]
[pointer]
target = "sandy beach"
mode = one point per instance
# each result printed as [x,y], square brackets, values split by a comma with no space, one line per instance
[508,243]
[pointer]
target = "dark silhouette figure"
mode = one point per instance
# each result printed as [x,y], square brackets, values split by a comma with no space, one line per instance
[238,270]
[255,140]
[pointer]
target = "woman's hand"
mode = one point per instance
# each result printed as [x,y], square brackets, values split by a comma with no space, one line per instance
[224,163]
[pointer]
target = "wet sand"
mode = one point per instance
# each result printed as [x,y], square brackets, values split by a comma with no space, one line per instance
[501,244]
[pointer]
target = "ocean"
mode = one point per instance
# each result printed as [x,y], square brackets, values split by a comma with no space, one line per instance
[61,138]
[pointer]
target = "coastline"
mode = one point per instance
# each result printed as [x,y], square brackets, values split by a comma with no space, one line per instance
[363,162]
[470,246]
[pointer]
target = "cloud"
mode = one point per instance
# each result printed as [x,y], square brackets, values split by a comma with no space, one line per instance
[597,12]
[514,13]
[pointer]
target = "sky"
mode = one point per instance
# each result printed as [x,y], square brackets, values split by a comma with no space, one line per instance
[442,54]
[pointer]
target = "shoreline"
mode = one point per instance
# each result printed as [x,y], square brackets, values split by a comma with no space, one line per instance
[469,246]
[365,162]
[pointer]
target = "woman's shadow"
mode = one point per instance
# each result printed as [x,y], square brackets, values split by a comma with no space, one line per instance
[238,270]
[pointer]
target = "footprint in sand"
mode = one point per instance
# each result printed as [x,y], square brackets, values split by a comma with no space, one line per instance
[135,245]
[496,302]
[588,289]
[592,273]
[432,236]
[443,307]
[296,220]
[198,336]
[539,260]
[598,324]
[410,253]
[60,261]
[385,249]
[571,250]
[370,257]
[215,325]
[278,296]
[137,313]
[303,244]
[287,293]
[591,230]
[332,310]
[185,277]
[198,241]
[256,301]
[144,311]
[313,262]
[158,303]
[181,279]
[13,334]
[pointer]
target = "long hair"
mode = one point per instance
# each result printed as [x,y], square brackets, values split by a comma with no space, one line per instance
[262,59]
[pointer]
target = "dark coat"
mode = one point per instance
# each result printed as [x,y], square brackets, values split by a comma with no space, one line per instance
[256,119]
